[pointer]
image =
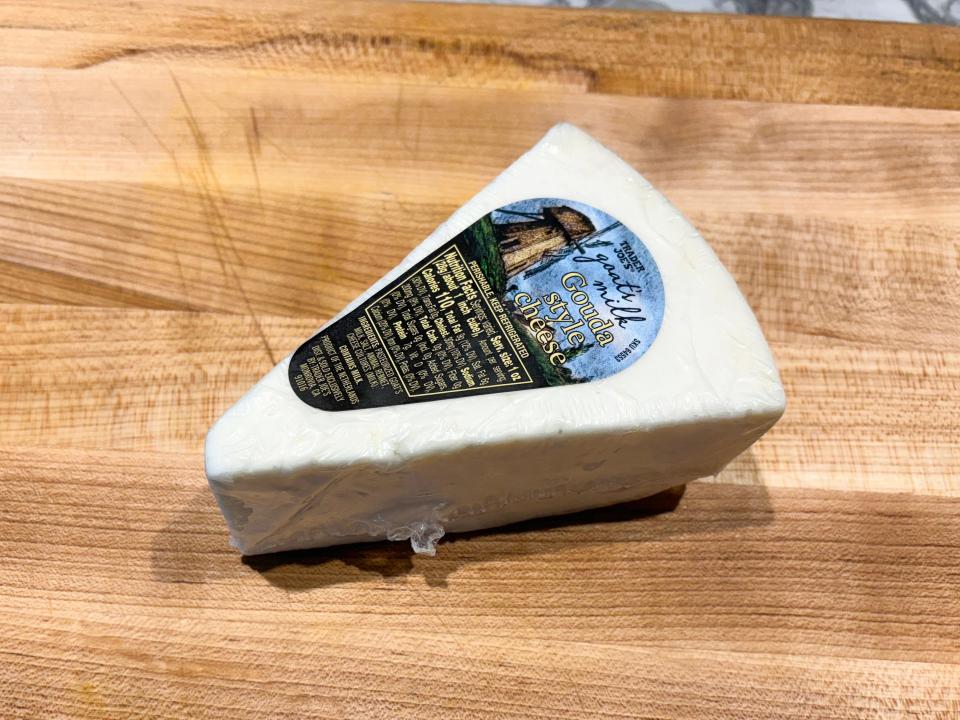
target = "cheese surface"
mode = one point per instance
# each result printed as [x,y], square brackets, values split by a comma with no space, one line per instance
[632,363]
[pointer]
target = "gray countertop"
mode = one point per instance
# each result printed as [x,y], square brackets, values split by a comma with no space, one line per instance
[912,11]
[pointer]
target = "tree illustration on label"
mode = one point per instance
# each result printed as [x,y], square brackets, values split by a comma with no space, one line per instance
[539,293]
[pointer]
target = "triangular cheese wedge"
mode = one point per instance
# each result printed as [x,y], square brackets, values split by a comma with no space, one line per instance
[566,340]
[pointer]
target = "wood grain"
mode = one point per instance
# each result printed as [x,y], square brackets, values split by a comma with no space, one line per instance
[156,380]
[739,602]
[173,195]
[188,189]
[659,54]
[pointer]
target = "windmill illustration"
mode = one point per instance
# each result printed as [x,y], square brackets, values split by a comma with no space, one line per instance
[536,242]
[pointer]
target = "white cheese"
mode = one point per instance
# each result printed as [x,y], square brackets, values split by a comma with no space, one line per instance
[288,475]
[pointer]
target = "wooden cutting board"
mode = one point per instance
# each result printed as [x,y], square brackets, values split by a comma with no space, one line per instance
[189,188]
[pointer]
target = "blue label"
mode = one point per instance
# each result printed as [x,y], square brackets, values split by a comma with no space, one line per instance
[590,280]
[538,293]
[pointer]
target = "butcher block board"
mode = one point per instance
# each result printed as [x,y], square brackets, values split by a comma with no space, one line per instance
[190,188]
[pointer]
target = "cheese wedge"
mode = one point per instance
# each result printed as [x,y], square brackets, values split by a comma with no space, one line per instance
[566,340]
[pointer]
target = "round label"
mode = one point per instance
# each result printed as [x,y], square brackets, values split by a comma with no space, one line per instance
[538,293]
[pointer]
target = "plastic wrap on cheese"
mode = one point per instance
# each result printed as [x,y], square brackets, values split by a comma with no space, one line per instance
[566,340]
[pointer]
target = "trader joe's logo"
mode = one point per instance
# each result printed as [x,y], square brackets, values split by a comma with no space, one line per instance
[537,293]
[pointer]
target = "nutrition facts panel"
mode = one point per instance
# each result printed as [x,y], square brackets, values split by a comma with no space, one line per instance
[444,331]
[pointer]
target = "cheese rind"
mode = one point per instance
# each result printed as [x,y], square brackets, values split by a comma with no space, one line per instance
[288,475]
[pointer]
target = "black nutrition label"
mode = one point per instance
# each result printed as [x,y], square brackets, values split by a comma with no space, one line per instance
[438,330]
